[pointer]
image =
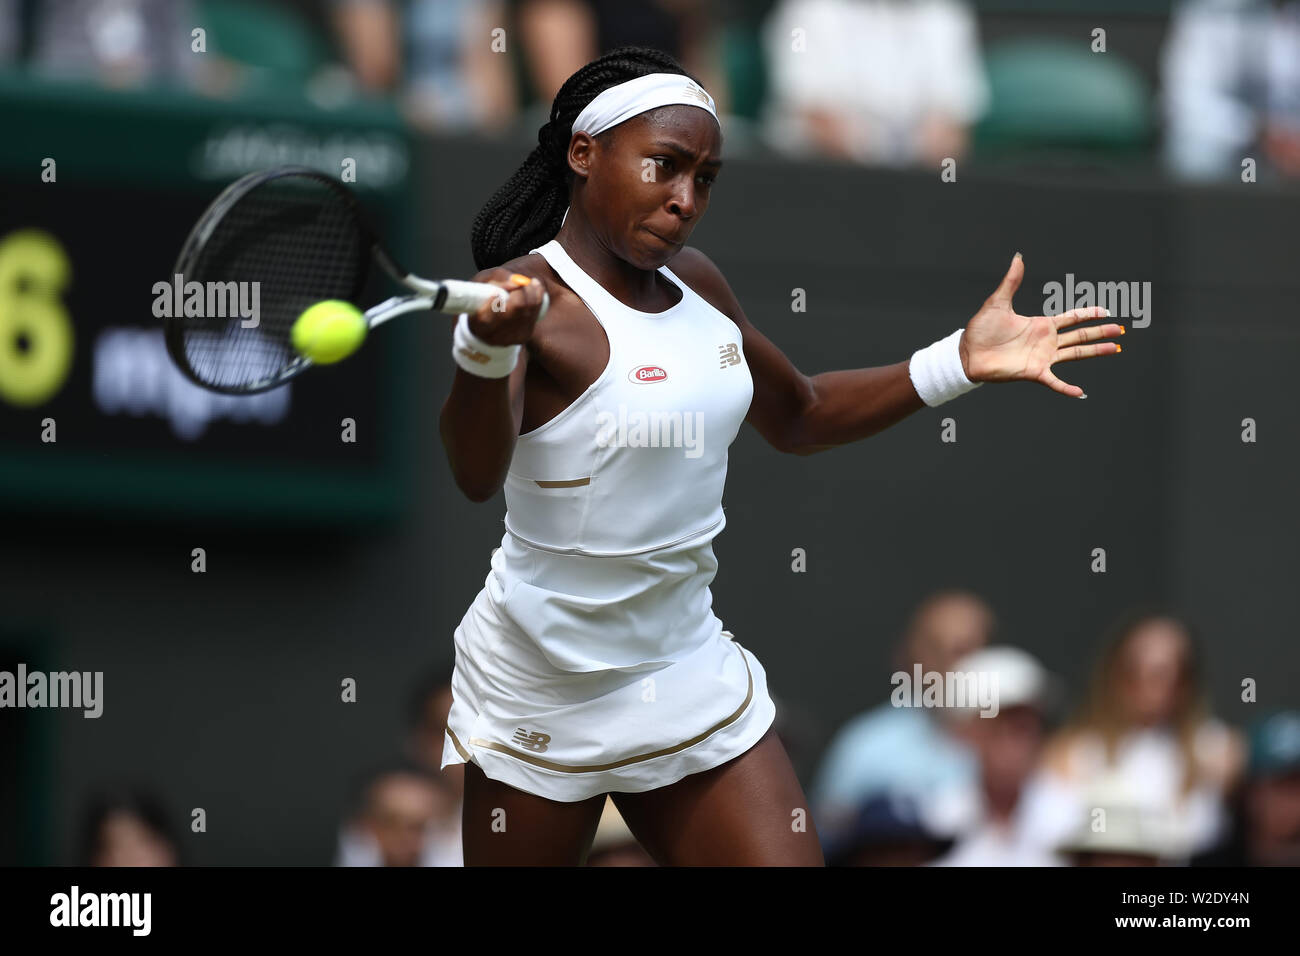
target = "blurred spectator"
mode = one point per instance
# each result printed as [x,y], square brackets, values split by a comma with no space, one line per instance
[875,81]
[1231,76]
[985,816]
[459,80]
[369,33]
[888,829]
[427,730]
[401,820]
[562,36]
[1144,736]
[118,43]
[1119,832]
[426,737]
[904,749]
[1268,821]
[614,844]
[128,828]
[438,53]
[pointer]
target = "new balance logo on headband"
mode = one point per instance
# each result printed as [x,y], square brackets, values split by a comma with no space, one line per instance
[694,91]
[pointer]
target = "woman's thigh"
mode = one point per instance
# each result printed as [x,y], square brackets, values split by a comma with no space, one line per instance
[504,826]
[750,811]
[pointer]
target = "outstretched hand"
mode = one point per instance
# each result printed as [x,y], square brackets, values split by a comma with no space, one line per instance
[999,345]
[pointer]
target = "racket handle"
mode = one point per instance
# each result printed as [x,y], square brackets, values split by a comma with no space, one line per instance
[465,296]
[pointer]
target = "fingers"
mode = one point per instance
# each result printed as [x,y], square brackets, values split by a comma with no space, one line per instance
[529,292]
[1054,383]
[1010,282]
[1093,333]
[1075,316]
[509,282]
[1076,352]
[509,319]
[518,291]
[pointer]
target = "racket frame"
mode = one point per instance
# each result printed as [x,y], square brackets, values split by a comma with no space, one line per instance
[447,296]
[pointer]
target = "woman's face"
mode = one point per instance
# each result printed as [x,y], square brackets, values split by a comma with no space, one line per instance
[1152,674]
[648,182]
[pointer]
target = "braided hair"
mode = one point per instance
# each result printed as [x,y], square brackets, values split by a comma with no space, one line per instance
[527,211]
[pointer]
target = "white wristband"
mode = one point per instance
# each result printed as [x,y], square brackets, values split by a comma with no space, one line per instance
[478,357]
[937,373]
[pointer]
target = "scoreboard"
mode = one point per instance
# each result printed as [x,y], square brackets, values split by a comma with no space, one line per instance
[99,190]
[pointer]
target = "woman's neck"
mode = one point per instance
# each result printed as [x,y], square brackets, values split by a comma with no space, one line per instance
[638,289]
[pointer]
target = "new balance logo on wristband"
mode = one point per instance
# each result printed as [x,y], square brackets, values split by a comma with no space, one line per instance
[481,358]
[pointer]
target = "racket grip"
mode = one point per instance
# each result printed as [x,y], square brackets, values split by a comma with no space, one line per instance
[465,296]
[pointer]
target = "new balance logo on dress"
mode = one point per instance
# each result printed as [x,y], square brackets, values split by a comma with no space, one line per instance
[535,741]
[729,354]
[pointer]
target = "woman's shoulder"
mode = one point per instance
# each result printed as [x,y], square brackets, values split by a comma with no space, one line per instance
[697,270]
[533,265]
[706,280]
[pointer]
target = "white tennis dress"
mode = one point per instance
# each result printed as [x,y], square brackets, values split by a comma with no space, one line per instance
[591,661]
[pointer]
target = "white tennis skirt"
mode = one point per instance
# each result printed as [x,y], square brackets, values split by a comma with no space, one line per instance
[568,736]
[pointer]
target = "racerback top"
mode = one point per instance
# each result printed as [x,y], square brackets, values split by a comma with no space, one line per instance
[639,460]
[612,505]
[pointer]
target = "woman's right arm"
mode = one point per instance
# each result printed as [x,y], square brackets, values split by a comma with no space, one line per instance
[481,417]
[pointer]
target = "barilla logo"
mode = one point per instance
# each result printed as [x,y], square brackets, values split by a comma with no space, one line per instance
[648,373]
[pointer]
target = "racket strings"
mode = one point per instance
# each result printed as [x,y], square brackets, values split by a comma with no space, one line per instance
[299,241]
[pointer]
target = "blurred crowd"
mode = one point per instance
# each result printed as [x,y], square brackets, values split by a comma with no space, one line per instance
[884,82]
[1137,773]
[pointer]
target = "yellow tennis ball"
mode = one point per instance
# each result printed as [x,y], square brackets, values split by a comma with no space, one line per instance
[329,331]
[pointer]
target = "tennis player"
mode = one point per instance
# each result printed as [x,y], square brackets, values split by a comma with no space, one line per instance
[591,662]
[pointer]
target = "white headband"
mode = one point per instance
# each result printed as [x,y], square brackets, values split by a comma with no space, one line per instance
[622,102]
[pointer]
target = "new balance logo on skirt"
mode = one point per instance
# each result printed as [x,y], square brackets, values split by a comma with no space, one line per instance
[535,741]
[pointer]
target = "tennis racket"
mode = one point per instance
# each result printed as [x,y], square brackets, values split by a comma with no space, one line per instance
[301,236]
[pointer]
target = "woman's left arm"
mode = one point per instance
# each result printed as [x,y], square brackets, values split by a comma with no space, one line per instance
[802,414]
